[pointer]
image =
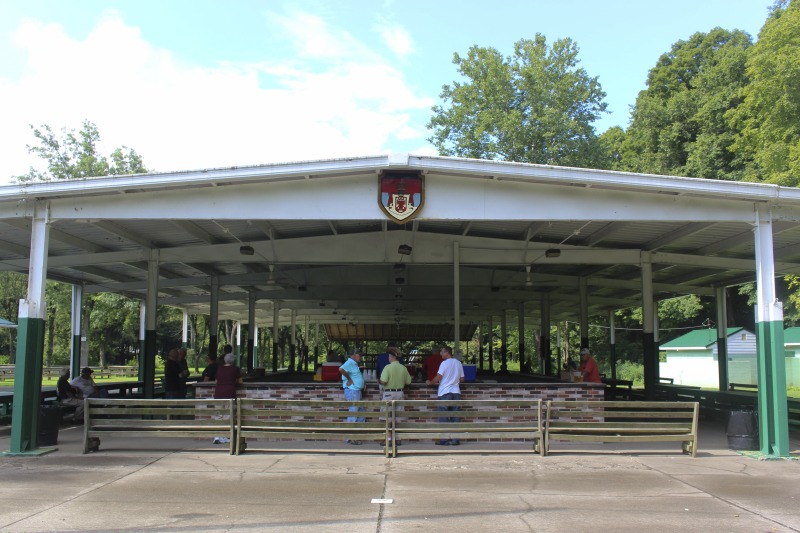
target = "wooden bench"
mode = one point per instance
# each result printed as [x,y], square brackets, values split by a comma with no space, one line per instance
[602,421]
[479,420]
[127,417]
[311,420]
[617,388]
[742,386]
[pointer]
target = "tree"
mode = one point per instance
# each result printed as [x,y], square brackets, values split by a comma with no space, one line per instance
[534,107]
[74,155]
[770,113]
[679,124]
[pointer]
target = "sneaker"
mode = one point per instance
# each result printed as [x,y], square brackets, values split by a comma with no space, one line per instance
[443,443]
[353,442]
[455,442]
[224,440]
[216,440]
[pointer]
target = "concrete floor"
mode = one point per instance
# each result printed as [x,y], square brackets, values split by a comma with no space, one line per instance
[188,485]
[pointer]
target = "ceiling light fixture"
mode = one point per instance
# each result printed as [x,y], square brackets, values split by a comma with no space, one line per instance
[404,249]
[247,250]
[552,252]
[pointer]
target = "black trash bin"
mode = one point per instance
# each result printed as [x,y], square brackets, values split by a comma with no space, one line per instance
[49,422]
[742,430]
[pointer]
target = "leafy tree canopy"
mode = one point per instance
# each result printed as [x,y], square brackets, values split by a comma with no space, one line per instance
[679,125]
[535,106]
[770,114]
[74,155]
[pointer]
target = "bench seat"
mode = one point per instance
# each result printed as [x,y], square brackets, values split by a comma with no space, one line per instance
[479,420]
[608,421]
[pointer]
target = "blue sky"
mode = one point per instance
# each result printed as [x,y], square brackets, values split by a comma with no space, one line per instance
[197,83]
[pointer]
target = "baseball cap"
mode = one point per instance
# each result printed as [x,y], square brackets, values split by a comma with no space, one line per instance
[86,370]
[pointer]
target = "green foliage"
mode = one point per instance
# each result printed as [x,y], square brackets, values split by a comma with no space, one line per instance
[74,155]
[631,371]
[769,116]
[679,125]
[536,106]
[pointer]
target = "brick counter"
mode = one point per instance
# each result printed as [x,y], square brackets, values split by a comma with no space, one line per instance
[416,391]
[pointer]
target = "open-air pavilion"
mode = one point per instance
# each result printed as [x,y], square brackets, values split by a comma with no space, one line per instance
[382,245]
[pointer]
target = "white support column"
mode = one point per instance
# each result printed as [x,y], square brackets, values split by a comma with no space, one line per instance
[456,297]
[213,343]
[151,320]
[142,335]
[304,348]
[773,417]
[276,309]
[185,330]
[612,338]
[293,343]
[648,340]
[523,365]
[75,347]
[722,337]
[583,287]
[251,331]
[30,342]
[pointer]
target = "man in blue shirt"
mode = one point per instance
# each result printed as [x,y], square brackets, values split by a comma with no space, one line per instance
[353,385]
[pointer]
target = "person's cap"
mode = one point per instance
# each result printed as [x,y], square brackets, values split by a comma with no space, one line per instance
[585,351]
[86,370]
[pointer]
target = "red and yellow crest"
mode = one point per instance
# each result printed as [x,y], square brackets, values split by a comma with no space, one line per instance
[401,194]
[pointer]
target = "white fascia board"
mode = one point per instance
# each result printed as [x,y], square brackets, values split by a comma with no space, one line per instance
[493,170]
[216,176]
[502,170]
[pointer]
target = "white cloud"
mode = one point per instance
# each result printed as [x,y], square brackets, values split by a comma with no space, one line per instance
[332,97]
[398,40]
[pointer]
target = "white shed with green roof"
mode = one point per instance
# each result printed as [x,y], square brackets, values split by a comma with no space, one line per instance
[692,359]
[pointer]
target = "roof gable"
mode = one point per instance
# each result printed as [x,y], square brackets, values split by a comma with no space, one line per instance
[699,338]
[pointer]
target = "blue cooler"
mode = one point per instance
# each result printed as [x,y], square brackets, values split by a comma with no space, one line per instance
[470,373]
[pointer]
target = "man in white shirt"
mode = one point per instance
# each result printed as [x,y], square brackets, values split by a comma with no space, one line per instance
[449,377]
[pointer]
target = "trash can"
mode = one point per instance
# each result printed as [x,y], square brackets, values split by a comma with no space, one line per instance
[742,430]
[49,422]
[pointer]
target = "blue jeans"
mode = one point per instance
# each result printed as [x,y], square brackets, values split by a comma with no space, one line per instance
[449,396]
[354,396]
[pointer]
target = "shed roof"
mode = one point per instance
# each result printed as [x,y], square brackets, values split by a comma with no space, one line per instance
[699,339]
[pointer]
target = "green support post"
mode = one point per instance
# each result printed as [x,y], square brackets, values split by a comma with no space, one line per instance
[773,426]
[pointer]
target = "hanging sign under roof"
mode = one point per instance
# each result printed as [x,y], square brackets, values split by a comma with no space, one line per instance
[401,194]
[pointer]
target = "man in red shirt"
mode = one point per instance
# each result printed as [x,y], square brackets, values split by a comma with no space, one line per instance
[588,367]
[431,363]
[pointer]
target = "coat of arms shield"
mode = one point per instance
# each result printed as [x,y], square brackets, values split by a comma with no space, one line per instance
[401,194]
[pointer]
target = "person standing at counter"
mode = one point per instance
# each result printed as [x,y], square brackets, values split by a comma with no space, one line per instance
[449,378]
[210,371]
[588,367]
[432,363]
[353,385]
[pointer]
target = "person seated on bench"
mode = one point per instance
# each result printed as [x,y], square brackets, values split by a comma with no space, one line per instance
[86,384]
[69,395]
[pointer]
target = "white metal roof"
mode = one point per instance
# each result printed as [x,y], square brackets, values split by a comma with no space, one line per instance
[318,226]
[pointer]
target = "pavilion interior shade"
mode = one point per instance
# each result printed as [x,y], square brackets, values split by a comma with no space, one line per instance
[401,332]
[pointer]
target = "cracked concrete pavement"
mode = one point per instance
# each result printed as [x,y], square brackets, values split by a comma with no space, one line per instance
[189,485]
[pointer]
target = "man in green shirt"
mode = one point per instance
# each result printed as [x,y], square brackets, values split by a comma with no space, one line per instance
[394,378]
